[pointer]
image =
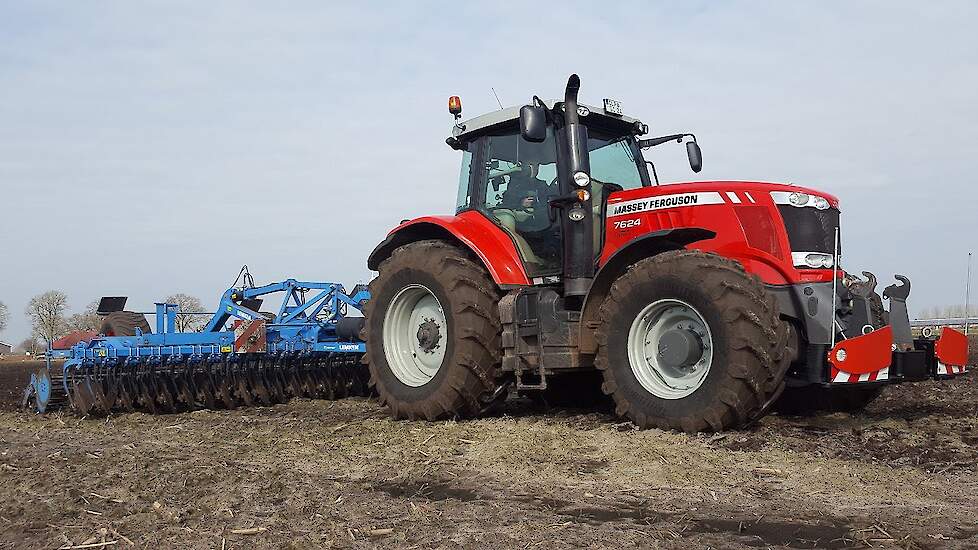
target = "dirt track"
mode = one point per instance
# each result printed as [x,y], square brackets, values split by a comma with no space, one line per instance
[341,474]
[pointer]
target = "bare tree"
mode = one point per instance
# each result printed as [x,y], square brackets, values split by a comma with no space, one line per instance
[30,346]
[188,304]
[46,313]
[87,320]
[4,316]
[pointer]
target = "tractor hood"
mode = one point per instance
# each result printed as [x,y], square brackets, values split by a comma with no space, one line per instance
[716,192]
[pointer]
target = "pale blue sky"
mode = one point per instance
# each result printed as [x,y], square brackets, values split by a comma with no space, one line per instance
[153,147]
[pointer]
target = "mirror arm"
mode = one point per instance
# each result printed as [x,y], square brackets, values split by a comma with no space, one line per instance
[652,142]
[654,174]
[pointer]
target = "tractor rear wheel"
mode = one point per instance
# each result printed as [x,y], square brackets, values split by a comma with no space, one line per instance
[433,333]
[691,341]
[124,323]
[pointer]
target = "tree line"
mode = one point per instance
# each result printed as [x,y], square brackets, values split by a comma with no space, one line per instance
[49,318]
[945,312]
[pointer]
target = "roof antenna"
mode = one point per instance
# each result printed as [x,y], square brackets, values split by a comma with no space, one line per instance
[496,96]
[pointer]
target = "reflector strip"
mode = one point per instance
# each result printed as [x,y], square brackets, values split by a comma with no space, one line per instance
[733,197]
[843,377]
[949,370]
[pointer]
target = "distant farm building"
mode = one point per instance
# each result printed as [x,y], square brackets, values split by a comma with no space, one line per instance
[5,348]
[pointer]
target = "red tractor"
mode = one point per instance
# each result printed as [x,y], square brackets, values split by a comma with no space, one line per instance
[567,269]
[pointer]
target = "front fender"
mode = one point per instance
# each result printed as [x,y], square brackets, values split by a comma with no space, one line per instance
[470,230]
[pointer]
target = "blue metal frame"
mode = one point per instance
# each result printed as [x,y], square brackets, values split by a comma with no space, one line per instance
[301,327]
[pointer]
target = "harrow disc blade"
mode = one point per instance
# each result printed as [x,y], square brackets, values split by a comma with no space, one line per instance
[241,387]
[112,387]
[256,377]
[166,392]
[126,396]
[43,389]
[341,381]
[93,379]
[205,389]
[147,392]
[276,384]
[360,380]
[185,390]
[225,388]
[307,385]
[293,385]
[81,395]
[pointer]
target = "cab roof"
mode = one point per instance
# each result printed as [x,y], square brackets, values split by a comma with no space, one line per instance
[597,116]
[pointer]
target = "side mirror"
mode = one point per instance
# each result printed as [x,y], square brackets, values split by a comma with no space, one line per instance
[695,156]
[533,123]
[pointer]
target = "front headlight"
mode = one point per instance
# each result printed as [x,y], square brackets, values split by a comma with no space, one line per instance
[815,260]
[812,260]
[821,203]
[581,179]
[798,199]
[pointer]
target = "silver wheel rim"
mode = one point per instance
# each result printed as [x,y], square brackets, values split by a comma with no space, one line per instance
[415,335]
[658,378]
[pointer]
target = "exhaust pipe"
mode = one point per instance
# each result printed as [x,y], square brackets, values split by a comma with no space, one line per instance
[577,220]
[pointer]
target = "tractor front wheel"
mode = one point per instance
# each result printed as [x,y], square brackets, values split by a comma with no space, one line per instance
[433,333]
[690,341]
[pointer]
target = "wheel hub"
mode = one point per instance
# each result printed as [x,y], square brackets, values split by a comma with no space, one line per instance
[670,348]
[680,348]
[415,329]
[428,336]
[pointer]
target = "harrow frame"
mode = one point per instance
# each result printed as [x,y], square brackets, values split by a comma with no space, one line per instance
[300,344]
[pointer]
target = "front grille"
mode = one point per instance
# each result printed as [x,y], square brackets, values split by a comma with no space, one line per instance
[810,229]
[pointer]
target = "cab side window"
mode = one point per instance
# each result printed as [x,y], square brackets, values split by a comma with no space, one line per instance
[464,196]
[519,182]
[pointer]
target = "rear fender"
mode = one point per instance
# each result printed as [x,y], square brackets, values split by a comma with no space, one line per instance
[633,251]
[470,230]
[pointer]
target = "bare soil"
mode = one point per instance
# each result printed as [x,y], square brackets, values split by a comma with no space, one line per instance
[342,475]
[15,371]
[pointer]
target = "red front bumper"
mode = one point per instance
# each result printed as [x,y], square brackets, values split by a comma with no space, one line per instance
[872,358]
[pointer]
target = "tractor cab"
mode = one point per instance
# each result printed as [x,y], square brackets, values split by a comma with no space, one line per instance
[523,179]
[515,181]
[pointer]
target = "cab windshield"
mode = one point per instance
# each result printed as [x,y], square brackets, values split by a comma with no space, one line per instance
[614,160]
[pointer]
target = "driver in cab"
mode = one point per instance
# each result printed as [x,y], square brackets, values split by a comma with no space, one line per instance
[523,196]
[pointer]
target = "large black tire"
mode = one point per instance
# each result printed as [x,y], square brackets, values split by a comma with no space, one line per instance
[465,382]
[751,345]
[808,400]
[124,323]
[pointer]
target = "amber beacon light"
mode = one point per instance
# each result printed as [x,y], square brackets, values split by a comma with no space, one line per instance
[455,106]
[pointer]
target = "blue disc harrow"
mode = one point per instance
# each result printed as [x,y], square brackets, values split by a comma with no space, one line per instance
[307,347]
